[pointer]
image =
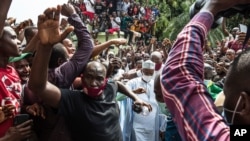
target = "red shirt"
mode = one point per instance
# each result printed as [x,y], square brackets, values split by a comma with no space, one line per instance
[10,88]
[235,45]
[82,7]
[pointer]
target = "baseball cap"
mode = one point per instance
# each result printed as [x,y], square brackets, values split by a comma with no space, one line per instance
[22,56]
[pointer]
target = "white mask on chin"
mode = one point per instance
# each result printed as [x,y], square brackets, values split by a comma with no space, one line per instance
[147,78]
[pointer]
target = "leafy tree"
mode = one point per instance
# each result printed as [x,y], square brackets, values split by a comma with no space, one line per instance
[175,15]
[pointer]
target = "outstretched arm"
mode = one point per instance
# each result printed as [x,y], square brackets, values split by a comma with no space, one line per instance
[224,28]
[4,8]
[49,34]
[99,48]
[124,90]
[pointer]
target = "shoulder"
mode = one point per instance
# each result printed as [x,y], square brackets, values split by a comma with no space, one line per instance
[67,93]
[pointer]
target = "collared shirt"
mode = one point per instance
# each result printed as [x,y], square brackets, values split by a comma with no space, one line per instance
[64,75]
[184,92]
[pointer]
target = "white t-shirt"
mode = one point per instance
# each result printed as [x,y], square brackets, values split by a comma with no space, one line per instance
[125,6]
[88,5]
[114,24]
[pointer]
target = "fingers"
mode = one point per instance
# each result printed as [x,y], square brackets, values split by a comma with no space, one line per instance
[36,110]
[241,37]
[24,129]
[149,106]
[26,123]
[57,13]
[48,13]
[53,13]
[42,113]
[140,91]
[8,110]
[41,19]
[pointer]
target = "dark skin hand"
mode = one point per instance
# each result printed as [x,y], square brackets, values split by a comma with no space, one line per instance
[139,90]
[19,132]
[36,110]
[45,33]
[6,112]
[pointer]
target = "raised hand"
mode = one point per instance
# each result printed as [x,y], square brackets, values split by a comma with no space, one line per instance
[6,112]
[36,110]
[166,42]
[242,37]
[119,41]
[68,10]
[48,27]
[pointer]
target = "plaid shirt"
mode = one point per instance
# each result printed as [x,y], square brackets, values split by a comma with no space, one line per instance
[184,92]
[64,75]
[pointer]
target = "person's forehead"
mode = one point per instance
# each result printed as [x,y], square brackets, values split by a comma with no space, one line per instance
[230,51]
[9,30]
[95,69]
[21,62]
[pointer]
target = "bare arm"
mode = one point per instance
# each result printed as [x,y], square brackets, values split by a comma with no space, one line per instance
[31,47]
[224,28]
[99,48]
[38,82]
[4,8]
[123,89]
[49,34]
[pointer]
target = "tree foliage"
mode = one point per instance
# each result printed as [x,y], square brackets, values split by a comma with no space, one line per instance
[175,15]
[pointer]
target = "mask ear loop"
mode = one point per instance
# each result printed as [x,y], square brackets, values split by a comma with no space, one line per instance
[238,102]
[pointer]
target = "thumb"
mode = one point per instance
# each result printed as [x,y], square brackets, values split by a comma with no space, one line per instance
[32,111]
[66,32]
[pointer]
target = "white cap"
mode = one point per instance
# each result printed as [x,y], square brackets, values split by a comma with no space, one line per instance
[148,65]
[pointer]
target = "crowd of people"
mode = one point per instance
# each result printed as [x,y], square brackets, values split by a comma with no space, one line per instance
[75,88]
[136,20]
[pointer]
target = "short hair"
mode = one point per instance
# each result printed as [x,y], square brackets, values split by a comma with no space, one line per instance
[58,51]
[28,31]
[237,78]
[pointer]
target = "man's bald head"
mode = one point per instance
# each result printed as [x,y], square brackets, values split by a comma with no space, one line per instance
[95,67]
[156,57]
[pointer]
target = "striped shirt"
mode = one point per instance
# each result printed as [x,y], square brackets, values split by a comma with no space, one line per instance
[184,92]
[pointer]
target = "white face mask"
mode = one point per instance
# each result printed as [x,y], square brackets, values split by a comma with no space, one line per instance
[147,78]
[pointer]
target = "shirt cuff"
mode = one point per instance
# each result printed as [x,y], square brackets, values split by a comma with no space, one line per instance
[72,17]
[205,18]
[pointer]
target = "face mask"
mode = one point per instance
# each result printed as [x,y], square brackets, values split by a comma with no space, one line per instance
[158,66]
[94,92]
[147,78]
[234,112]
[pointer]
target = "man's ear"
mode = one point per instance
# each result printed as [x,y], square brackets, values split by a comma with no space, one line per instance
[245,104]
[60,61]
